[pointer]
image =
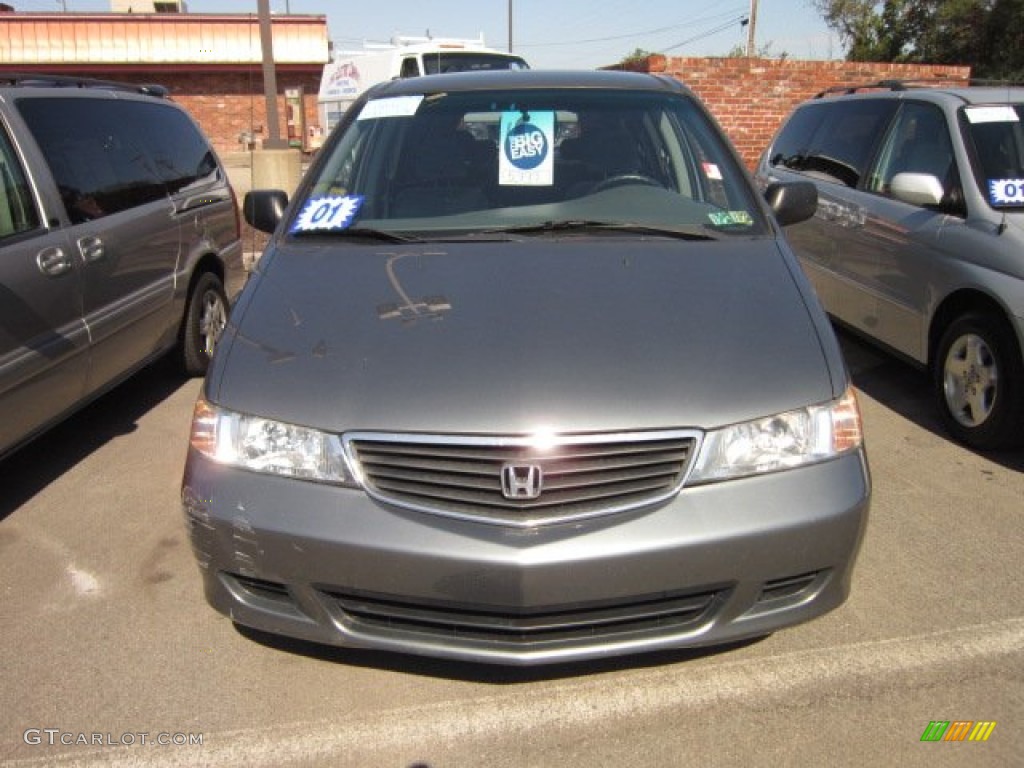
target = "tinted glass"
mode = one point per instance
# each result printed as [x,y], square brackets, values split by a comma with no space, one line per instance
[837,140]
[475,161]
[179,151]
[468,61]
[794,140]
[17,208]
[101,166]
[917,142]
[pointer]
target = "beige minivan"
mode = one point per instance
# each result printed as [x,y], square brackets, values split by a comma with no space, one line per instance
[119,241]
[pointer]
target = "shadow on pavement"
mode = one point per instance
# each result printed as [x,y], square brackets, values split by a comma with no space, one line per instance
[905,390]
[29,470]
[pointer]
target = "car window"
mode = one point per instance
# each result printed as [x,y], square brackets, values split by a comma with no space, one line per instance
[793,143]
[180,154]
[918,142]
[995,135]
[834,140]
[410,67]
[472,161]
[101,167]
[468,61]
[17,208]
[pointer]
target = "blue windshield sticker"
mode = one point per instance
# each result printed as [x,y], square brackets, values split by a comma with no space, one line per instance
[331,212]
[1006,191]
[527,149]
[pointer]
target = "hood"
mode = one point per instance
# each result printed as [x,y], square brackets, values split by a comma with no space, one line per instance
[571,335]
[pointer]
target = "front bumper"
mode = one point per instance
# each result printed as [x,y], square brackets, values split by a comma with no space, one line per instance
[716,564]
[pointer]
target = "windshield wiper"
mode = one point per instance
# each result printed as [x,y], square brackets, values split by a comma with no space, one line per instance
[367,232]
[570,225]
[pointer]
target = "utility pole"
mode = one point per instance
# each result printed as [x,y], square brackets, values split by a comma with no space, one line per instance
[751,49]
[510,26]
[273,140]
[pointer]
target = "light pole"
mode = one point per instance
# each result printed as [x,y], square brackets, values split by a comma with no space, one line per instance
[510,26]
[273,140]
[751,51]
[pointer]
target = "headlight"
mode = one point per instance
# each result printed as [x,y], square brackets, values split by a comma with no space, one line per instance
[778,442]
[264,445]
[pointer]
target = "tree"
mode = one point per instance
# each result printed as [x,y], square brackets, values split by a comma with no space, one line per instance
[638,56]
[987,35]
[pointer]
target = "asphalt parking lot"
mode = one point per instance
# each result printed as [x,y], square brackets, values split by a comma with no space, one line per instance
[112,656]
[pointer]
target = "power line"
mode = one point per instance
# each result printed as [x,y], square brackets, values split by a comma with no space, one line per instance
[739,20]
[658,30]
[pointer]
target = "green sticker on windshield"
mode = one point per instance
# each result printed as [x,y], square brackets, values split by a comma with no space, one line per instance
[731,218]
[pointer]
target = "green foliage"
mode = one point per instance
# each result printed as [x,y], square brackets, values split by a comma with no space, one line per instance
[987,35]
[762,52]
[638,56]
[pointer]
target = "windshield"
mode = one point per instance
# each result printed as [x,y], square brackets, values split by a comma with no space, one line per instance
[997,135]
[503,160]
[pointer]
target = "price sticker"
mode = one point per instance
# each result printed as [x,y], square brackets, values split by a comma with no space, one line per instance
[1006,191]
[330,212]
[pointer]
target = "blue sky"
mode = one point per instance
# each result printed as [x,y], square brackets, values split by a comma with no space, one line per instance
[568,33]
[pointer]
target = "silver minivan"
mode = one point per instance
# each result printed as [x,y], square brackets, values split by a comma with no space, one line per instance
[527,374]
[119,241]
[918,240]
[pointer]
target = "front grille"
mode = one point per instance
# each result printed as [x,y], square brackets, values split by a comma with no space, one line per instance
[574,477]
[654,615]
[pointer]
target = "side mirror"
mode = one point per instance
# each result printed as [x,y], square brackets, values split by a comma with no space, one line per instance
[792,201]
[264,208]
[917,189]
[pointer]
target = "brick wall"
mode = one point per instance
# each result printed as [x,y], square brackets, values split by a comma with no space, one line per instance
[226,104]
[750,97]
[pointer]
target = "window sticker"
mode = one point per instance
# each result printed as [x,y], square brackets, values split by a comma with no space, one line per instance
[711,171]
[399,106]
[526,158]
[1000,114]
[330,212]
[731,218]
[1006,191]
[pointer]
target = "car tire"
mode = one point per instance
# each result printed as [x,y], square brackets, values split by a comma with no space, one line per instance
[979,383]
[205,318]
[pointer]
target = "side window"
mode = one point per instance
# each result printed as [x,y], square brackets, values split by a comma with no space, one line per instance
[17,208]
[793,143]
[837,142]
[99,165]
[180,154]
[410,68]
[917,143]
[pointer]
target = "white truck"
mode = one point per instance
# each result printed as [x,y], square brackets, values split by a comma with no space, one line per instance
[352,72]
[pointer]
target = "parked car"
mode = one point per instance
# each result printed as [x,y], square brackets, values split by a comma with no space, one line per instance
[918,241]
[119,237]
[526,374]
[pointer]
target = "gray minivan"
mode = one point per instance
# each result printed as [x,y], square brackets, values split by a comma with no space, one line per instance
[527,374]
[918,240]
[119,240]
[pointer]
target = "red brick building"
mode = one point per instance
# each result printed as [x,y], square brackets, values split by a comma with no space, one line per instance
[750,97]
[212,63]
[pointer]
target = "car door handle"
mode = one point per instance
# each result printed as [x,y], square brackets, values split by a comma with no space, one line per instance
[91,248]
[53,261]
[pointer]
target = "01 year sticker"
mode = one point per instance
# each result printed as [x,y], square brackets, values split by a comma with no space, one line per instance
[1006,191]
[331,212]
